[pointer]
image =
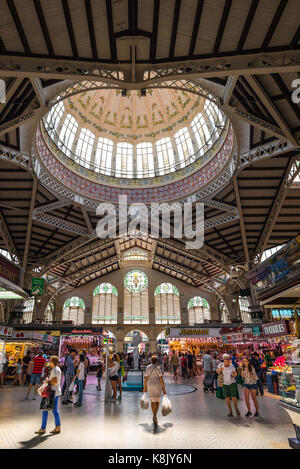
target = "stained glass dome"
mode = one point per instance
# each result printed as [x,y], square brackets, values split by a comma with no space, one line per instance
[135,281]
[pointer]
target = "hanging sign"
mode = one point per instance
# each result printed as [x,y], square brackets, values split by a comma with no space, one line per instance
[37,286]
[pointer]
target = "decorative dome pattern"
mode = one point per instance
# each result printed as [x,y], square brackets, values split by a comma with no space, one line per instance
[135,281]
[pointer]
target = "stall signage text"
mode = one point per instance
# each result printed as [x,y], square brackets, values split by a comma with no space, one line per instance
[9,271]
[275,329]
[6,331]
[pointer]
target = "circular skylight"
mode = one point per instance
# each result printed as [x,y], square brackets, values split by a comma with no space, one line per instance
[134,136]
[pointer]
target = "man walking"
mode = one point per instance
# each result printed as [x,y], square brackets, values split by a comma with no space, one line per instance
[254,361]
[208,371]
[39,363]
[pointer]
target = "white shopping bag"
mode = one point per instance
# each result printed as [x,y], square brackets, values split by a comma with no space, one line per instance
[144,402]
[166,406]
[71,387]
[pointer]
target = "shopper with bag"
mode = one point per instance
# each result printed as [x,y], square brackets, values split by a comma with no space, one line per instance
[52,396]
[113,370]
[79,379]
[229,387]
[154,384]
[69,375]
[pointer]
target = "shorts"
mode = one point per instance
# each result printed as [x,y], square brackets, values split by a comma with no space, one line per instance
[230,390]
[175,368]
[114,378]
[35,378]
[250,386]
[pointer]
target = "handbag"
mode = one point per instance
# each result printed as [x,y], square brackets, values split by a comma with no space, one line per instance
[47,403]
[220,380]
[42,389]
[71,387]
[219,393]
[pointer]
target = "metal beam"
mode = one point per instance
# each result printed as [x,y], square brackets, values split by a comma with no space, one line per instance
[87,219]
[29,222]
[242,224]
[5,233]
[61,224]
[290,175]
[287,61]
[229,88]
[10,92]
[268,103]
[52,206]
[15,157]
[38,89]
[18,121]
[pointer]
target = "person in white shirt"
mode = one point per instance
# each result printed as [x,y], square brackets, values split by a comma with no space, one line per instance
[229,387]
[80,377]
[54,380]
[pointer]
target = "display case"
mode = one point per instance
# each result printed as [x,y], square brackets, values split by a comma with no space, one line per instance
[290,398]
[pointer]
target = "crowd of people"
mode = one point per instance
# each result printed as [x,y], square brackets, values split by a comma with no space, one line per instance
[221,373]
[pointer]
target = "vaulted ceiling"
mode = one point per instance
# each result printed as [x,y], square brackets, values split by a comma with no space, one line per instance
[246,51]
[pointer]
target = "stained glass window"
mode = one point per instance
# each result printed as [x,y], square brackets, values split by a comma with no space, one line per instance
[136,302]
[198,310]
[167,304]
[105,304]
[73,310]
[135,281]
[105,288]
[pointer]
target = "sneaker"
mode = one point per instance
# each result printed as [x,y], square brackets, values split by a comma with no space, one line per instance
[256,414]
[119,398]
[230,414]
[26,397]
[248,414]
[64,403]
[34,398]
[77,405]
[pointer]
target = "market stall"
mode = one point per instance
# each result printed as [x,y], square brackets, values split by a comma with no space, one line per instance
[90,341]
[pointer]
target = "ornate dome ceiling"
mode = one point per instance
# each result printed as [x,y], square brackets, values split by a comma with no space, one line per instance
[161,146]
[133,117]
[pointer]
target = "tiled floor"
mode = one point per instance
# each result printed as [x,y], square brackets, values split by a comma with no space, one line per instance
[198,420]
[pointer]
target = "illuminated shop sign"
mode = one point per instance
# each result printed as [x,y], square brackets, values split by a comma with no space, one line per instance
[9,271]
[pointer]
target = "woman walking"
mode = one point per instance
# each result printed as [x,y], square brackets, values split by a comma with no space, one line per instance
[154,384]
[250,386]
[17,377]
[54,381]
[113,369]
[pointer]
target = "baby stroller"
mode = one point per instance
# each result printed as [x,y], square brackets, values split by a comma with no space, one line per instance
[208,382]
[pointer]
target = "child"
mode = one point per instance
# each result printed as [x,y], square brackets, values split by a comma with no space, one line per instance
[17,377]
[99,375]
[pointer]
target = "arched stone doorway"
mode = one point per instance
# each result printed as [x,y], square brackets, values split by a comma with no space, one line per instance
[136,338]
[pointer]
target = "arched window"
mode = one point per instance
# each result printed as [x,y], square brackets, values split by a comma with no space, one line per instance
[244,309]
[136,305]
[165,155]
[135,254]
[73,310]
[84,147]
[198,310]
[28,312]
[167,305]
[184,146]
[145,160]
[103,157]
[105,304]
[67,133]
[49,313]
[124,160]
[201,132]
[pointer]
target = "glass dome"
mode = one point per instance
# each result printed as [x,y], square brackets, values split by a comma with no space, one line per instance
[134,136]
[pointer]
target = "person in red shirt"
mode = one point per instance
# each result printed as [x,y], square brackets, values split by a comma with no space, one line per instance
[39,363]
